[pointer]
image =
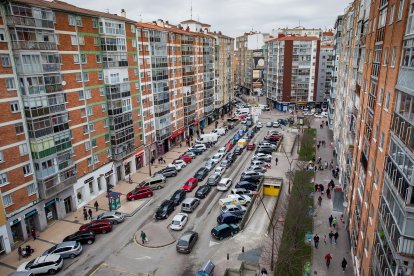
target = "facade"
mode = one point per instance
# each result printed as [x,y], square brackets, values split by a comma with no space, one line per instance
[375,143]
[292,64]
[326,67]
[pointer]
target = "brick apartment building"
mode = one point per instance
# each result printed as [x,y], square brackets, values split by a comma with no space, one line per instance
[375,141]
[86,97]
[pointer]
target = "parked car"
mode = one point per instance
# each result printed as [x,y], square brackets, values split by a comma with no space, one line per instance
[222,231]
[201,173]
[200,146]
[264,150]
[82,236]
[229,218]
[98,226]
[196,151]
[165,209]
[190,184]
[178,164]
[187,241]
[259,169]
[274,132]
[113,216]
[179,221]
[190,153]
[202,191]
[251,174]
[139,193]
[178,196]
[238,150]
[222,150]
[217,157]
[261,161]
[259,125]
[153,183]
[276,124]
[49,264]
[225,164]
[251,146]
[252,179]
[213,179]
[247,186]
[269,124]
[187,159]
[167,172]
[224,184]
[232,208]
[69,249]
[231,157]
[260,155]
[284,122]
[219,170]
[241,191]
[240,199]
[209,165]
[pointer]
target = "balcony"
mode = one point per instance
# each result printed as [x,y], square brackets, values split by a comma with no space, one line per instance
[404,130]
[121,151]
[34,45]
[115,64]
[13,20]
[380,34]
[118,91]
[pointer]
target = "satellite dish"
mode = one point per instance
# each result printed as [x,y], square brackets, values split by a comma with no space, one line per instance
[63,83]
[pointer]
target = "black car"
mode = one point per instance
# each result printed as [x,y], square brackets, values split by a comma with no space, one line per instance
[178,196]
[231,157]
[187,241]
[234,119]
[238,150]
[247,185]
[82,236]
[202,191]
[213,179]
[165,209]
[222,231]
[167,172]
[255,179]
[283,122]
[264,150]
[229,218]
[196,151]
[201,174]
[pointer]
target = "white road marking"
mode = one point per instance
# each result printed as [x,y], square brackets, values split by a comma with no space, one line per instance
[212,243]
[143,258]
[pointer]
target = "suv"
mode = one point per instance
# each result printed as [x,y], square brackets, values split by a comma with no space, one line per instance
[98,226]
[165,209]
[167,172]
[69,249]
[83,236]
[112,216]
[139,192]
[222,231]
[49,264]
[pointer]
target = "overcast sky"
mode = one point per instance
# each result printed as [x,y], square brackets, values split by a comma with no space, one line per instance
[232,17]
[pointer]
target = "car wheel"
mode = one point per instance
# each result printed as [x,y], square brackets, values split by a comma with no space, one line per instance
[51,271]
[232,234]
[115,222]
[72,256]
[220,238]
[175,174]
[103,231]
[159,187]
[89,241]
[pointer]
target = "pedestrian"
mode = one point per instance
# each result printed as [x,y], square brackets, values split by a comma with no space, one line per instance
[343,264]
[336,235]
[333,173]
[96,206]
[276,160]
[159,160]
[316,188]
[334,222]
[20,252]
[317,146]
[331,234]
[324,239]
[90,214]
[326,123]
[152,160]
[328,193]
[33,232]
[331,165]
[85,214]
[143,237]
[322,188]
[328,258]
[326,165]
[316,240]
[263,272]
[319,200]
[330,220]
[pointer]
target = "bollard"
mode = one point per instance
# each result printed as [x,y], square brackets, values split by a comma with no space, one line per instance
[242,249]
[228,256]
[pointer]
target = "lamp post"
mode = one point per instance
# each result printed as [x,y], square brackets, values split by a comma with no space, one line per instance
[290,168]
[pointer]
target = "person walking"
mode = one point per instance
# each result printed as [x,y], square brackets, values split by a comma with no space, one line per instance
[143,237]
[276,160]
[85,214]
[317,146]
[90,214]
[331,234]
[336,235]
[330,220]
[334,222]
[328,193]
[324,239]
[343,264]
[20,252]
[328,258]
[33,232]
[96,206]
[319,200]
[316,240]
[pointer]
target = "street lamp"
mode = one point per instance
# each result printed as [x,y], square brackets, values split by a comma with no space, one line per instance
[290,167]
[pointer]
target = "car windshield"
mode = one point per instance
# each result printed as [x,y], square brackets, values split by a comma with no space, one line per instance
[175,222]
[29,264]
[52,249]
[182,243]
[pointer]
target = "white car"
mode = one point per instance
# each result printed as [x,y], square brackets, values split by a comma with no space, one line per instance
[209,165]
[241,191]
[269,124]
[222,150]
[258,155]
[260,169]
[224,184]
[217,157]
[179,221]
[240,199]
[251,173]
[232,208]
[178,164]
[259,125]
[259,163]
[49,264]
[200,146]
[243,122]
[276,124]
[219,170]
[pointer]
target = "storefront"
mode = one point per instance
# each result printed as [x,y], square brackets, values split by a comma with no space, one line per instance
[31,219]
[202,122]
[139,160]
[51,211]
[176,137]
[16,230]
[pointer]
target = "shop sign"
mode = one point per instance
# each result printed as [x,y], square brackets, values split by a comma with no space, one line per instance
[15,221]
[51,202]
[49,215]
[109,173]
[90,179]
[31,213]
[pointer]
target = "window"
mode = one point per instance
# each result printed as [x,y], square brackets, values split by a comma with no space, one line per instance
[410,22]
[100,75]
[103,108]
[3,179]
[393,56]
[76,59]
[91,127]
[5,60]
[2,35]
[1,157]
[89,110]
[133,29]
[84,59]
[376,178]
[85,129]
[392,12]
[87,145]
[23,149]
[106,123]
[95,23]
[136,72]
[8,200]
[387,101]
[81,40]
[107,138]
[10,84]
[14,106]
[385,59]
[19,128]
[27,169]
[108,152]
[31,189]
[88,94]
[93,143]
[400,9]
[96,41]
[90,162]
[380,95]
[382,140]
[95,159]
[81,95]
[135,57]
[98,58]
[134,43]
[75,20]
[74,40]
[101,91]
[85,77]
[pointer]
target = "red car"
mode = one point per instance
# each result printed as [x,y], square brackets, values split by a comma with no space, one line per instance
[139,192]
[98,226]
[187,159]
[251,146]
[277,137]
[190,184]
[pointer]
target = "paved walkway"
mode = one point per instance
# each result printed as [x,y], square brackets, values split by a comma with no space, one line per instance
[321,226]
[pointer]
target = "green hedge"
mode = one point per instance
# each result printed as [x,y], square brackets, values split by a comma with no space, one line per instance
[308,144]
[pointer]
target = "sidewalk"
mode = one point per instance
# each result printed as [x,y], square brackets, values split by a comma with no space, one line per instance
[157,236]
[321,227]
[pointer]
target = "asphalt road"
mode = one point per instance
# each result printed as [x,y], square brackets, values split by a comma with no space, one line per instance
[119,251]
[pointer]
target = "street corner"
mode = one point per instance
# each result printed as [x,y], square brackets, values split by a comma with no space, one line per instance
[155,236]
[130,208]
[58,231]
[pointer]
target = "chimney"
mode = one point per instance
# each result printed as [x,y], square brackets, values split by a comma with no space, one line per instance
[123,13]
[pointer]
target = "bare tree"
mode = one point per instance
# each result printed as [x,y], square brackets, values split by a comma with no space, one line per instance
[308,120]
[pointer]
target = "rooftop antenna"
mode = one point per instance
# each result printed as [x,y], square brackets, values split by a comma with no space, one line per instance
[191,10]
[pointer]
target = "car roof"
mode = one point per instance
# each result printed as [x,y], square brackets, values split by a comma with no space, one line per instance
[47,258]
[214,176]
[179,216]
[186,235]
[165,202]
[221,226]
[66,243]
[225,179]
[191,179]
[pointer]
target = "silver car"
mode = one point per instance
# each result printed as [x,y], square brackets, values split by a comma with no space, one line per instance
[114,217]
[69,249]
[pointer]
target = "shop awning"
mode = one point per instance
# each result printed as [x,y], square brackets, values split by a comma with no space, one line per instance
[176,133]
[139,154]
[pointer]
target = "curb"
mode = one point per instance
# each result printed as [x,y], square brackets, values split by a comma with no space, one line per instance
[158,246]
[138,209]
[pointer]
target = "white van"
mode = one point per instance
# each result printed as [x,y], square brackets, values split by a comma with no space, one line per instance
[189,204]
[209,137]
[220,131]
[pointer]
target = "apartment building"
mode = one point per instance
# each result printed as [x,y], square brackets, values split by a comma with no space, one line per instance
[292,64]
[326,67]
[73,120]
[375,145]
